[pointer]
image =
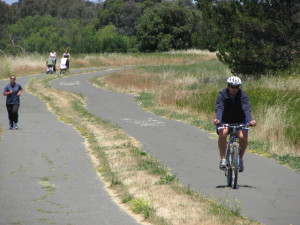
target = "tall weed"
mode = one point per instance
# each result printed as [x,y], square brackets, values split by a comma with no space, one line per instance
[5,68]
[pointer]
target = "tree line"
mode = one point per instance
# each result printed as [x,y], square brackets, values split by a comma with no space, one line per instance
[251,36]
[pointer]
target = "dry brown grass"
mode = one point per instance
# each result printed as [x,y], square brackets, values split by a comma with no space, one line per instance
[166,87]
[21,66]
[133,82]
[35,63]
[169,201]
[115,59]
[277,83]
[169,97]
[272,124]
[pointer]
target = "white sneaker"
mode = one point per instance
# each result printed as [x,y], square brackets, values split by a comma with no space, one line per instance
[223,164]
[16,126]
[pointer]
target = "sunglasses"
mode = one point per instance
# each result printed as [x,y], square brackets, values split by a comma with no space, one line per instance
[234,87]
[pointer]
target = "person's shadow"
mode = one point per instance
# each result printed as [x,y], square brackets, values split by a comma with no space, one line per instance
[238,186]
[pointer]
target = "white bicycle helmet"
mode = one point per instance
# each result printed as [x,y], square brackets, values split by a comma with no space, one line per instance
[234,80]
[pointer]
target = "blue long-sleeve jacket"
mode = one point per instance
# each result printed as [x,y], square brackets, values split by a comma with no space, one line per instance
[233,111]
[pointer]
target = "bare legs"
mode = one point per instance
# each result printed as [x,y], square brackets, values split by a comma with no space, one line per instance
[243,140]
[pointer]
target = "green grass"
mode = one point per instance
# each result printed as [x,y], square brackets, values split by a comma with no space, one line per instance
[167,179]
[151,165]
[287,159]
[147,100]
[226,211]
[201,101]
[290,99]
[206,69]
[142,206]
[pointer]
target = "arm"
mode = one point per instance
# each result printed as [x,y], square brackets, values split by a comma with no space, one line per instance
[19,93]
[219,108]
[246,106]
[7,91]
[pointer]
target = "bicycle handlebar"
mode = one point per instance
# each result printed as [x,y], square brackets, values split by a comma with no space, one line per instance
[235,125]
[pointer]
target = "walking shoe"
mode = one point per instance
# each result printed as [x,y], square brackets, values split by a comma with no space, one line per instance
[223,164]
[16,126]
[241,166]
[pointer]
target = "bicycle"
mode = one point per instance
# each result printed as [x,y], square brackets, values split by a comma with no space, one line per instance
[232,155]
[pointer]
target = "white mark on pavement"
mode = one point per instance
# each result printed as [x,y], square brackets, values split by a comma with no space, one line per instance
[149,122]
[70,83]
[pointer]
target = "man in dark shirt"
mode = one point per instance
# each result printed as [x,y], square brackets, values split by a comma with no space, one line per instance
[13,91]
[233,106]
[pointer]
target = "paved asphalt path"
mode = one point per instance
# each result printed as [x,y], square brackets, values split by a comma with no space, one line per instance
[268,192]
[46,176]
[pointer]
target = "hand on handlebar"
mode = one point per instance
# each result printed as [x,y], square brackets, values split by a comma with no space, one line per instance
[252,123]
[216,122]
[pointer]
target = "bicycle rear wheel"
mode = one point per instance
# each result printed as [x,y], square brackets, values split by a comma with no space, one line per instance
[235,164]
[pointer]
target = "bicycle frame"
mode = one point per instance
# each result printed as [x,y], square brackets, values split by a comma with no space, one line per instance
[232,153]
[232,139]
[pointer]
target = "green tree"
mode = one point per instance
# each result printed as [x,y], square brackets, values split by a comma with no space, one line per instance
[124,14]
[111,41]
[5,14]
[87,41]
[128,18]
[165,27]
[15,36]
[206,35]
[66,9]
[109,13]
[257,36]
[41,34]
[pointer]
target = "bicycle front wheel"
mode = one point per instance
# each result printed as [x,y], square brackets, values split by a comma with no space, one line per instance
[229,170]
[235,165]
[229,177]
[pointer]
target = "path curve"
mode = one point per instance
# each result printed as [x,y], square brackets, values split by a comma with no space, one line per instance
[46,176]
[268,192]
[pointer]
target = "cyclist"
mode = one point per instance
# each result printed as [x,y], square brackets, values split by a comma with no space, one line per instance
[233,106]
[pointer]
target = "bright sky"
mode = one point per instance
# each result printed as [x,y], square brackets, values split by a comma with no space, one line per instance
[9,1]
[13,1]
